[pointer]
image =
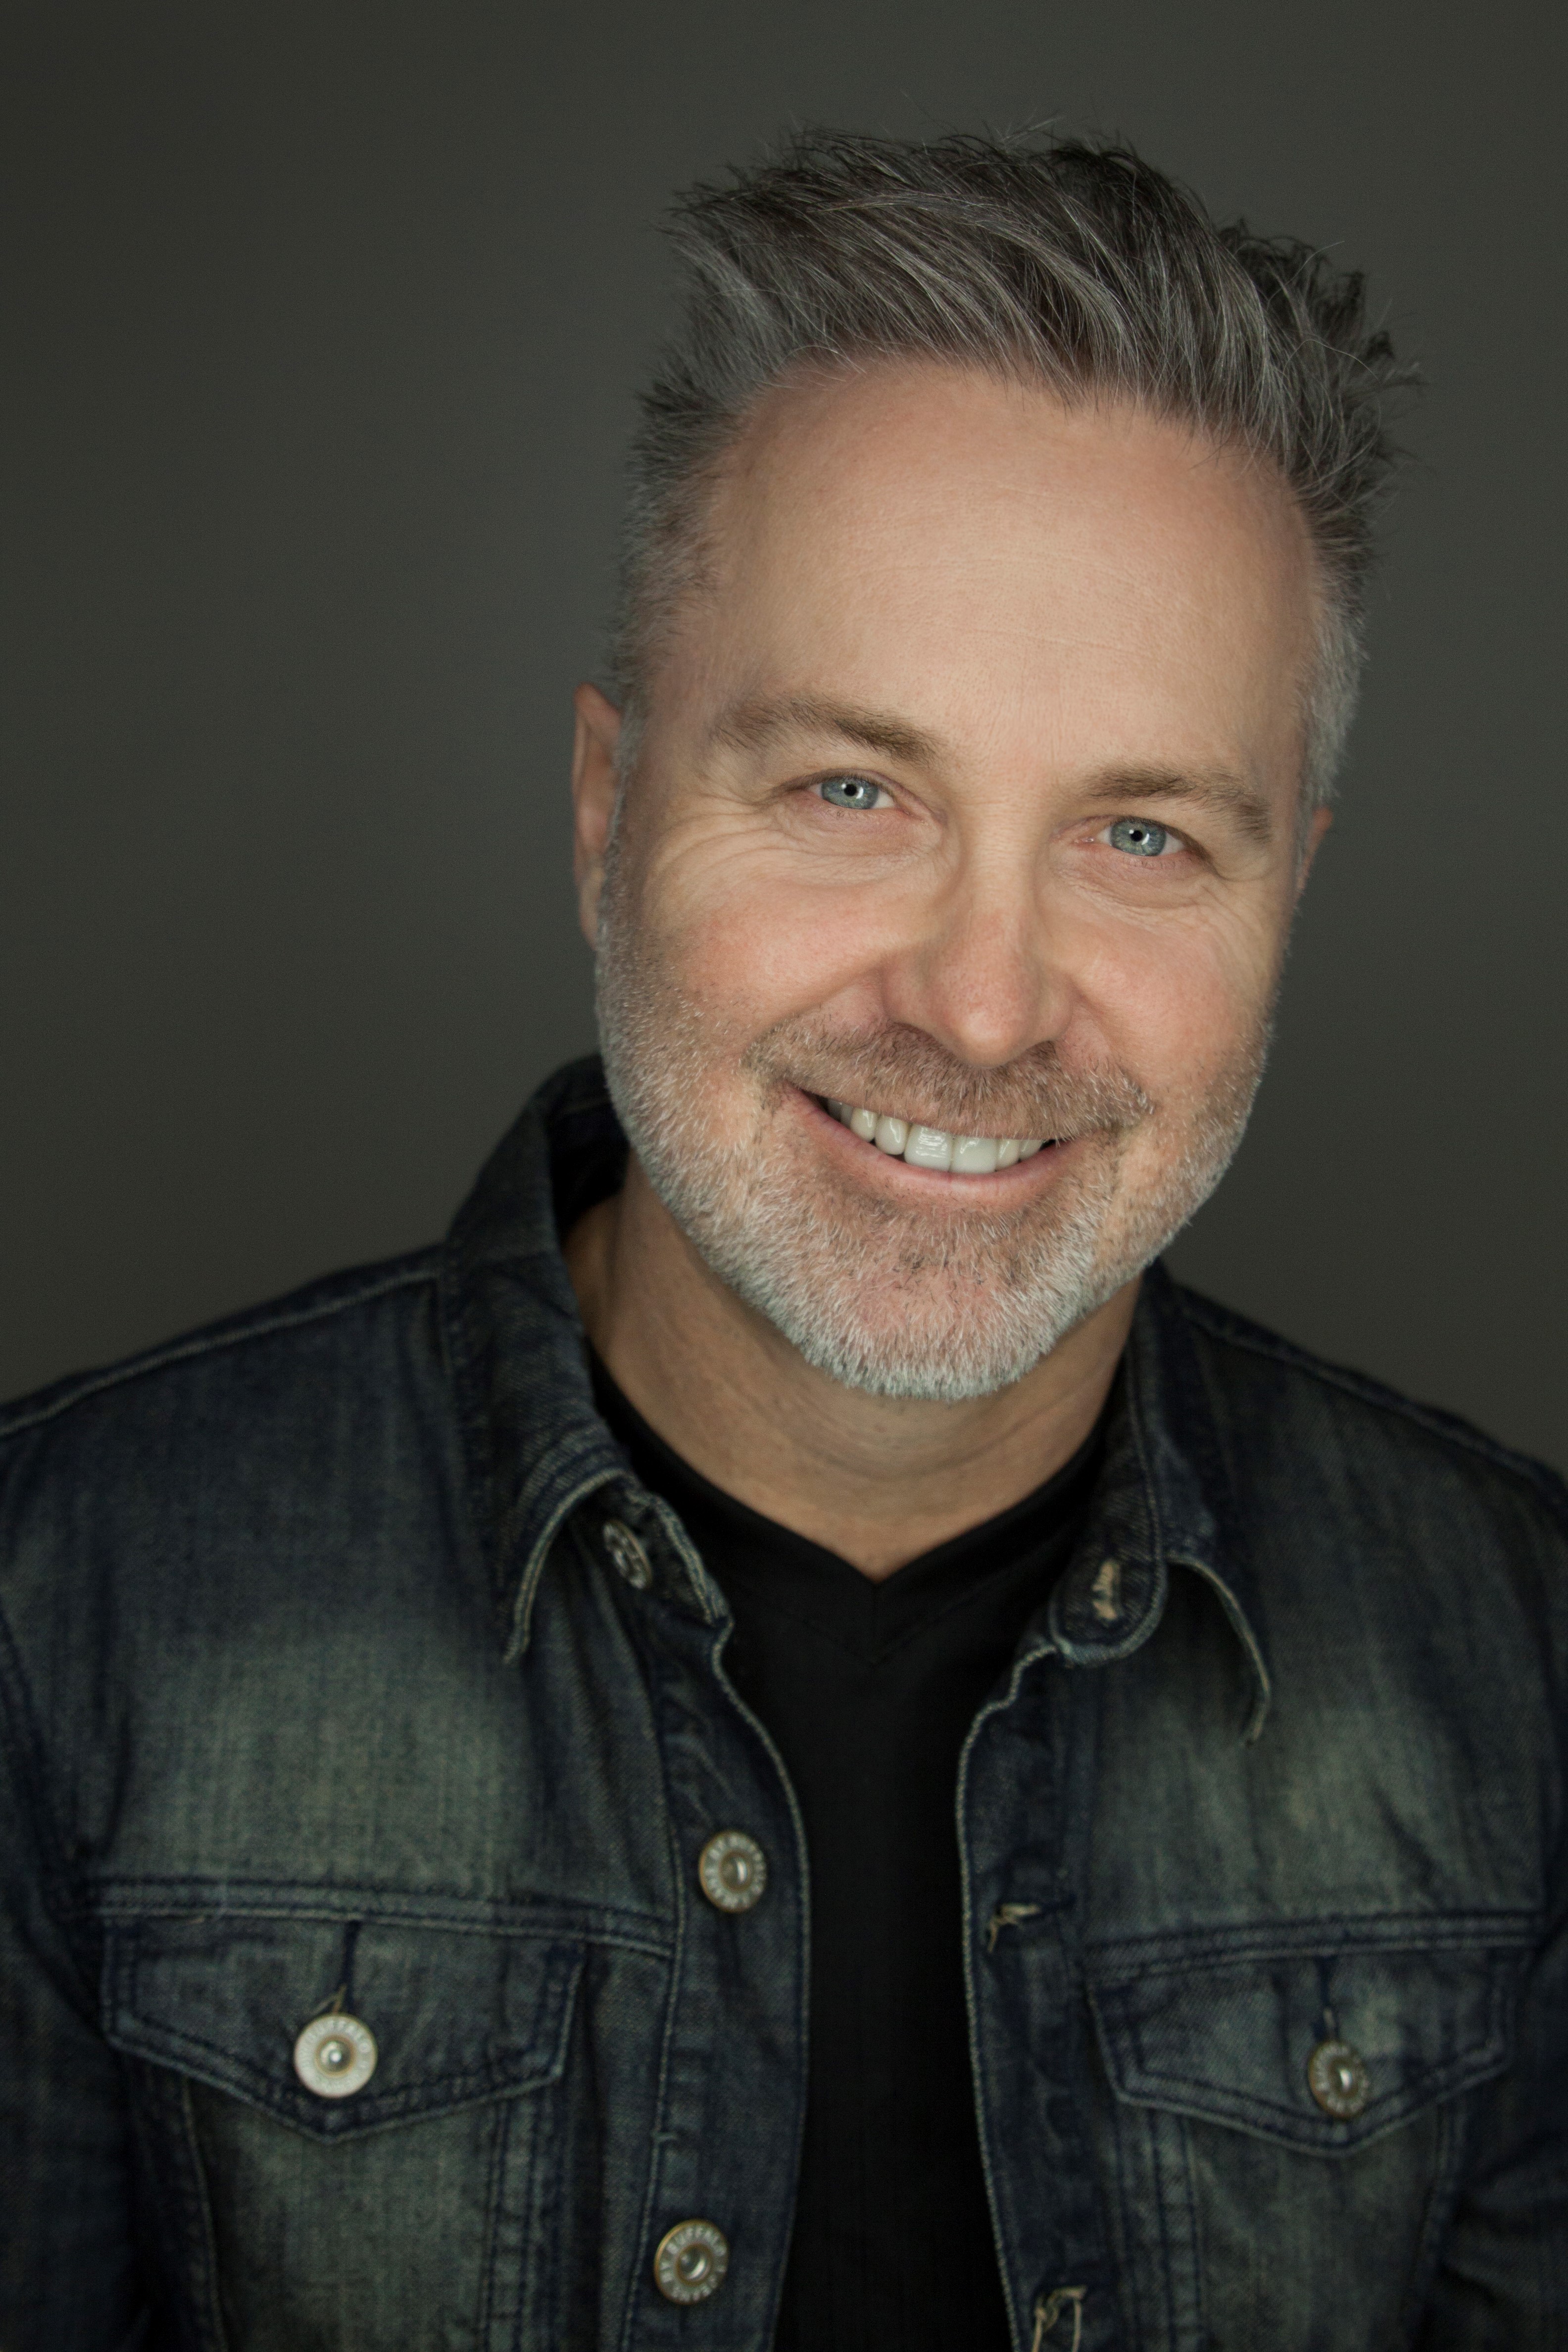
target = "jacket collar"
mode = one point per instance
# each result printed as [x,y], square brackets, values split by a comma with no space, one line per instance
[536,1450]
[1163,1501]
[534,1446]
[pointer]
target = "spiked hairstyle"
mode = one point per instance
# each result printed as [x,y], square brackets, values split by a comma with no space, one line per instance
[1078,269]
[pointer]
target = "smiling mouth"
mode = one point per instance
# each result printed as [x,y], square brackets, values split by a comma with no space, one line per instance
[934,1147]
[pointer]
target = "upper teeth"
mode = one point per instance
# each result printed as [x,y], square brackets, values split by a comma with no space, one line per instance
[933,1146]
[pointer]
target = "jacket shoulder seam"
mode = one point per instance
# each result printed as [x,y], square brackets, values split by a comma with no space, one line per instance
[1451,1429]
[261,1325]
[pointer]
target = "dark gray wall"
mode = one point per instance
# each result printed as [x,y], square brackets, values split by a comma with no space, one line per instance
[330,318]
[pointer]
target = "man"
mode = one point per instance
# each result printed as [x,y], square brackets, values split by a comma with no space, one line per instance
[782,1743]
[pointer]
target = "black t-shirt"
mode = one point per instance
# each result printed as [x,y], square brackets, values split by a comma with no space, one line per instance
[868,1690]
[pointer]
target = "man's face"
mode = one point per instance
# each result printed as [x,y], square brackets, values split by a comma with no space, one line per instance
[966,798]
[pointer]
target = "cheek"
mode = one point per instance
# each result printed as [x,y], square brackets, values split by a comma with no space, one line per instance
[1177,1005]
[752,949]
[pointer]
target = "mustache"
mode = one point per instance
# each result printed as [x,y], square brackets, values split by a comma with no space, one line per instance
[903,1071]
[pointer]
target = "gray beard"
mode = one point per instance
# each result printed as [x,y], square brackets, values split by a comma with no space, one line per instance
[882,1297]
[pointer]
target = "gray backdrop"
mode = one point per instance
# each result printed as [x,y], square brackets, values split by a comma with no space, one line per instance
[330,318]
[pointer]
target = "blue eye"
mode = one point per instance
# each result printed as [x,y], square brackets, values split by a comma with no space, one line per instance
[849,792]
[1138,837]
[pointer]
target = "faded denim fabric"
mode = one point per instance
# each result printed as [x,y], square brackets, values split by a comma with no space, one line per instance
[320,1690]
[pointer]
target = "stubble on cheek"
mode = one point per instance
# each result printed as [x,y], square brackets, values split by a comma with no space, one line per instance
[948,1300]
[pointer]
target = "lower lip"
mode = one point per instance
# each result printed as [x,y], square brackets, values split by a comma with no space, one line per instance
[1024,1175]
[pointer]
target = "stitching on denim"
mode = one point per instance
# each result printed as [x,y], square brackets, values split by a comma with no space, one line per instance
[1137,1423]
[194,2184]
[1236,1618]
[1336,2143]
[548,1471]
[1193,2248]
[338,1902]
[566,1924]
[996,1704]
[561,1992]
[1181,2093]
[1165,2123]
[180,1351]
[1175,1952]
[1253,1340]
[676,1993]
[1130,2168]
[158,2043]
[22,1740]
[505,2110]
[704,1590]
[532,1576]
[343,2128]
[1235,1615]
[1154,2240]
[1483,2058]
[1452,2123]
[538,2290]
[803,1938]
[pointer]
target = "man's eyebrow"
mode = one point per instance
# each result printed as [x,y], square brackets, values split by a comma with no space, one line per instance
[753,726]
[1215,789]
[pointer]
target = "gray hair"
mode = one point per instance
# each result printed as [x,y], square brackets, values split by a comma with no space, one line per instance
[1077,267]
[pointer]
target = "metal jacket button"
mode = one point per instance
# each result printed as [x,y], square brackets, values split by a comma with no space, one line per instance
[627,1554]
[335,2057]
[733,1871]
[1337,2078]
[691,2261]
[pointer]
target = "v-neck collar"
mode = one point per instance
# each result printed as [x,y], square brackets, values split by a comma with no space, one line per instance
[782,1572]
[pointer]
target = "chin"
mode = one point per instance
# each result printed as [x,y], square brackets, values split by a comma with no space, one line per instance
[926,1330]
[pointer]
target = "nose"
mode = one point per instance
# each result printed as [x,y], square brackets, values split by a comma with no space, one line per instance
[983,970]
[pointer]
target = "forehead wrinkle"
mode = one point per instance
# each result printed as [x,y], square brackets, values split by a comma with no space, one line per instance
[757,725]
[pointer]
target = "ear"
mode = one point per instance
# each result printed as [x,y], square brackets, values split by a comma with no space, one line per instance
[594,786]
[1322,819]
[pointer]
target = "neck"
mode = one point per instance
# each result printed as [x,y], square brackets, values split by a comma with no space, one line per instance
[877,1479]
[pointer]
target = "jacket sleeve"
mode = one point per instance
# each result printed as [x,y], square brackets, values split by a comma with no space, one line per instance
[69,2280]
[1502,2285]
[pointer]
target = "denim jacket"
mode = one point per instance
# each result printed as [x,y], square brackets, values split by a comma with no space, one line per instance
[346,1673]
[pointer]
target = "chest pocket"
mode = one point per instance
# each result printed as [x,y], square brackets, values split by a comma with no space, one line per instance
[453,2017]
[1285,2132]
[383,2169]
[1322,2052]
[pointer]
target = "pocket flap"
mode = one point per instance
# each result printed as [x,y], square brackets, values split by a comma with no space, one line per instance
[1235,2044]
[456,2017]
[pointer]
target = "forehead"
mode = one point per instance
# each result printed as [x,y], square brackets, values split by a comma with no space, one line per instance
[926,537]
